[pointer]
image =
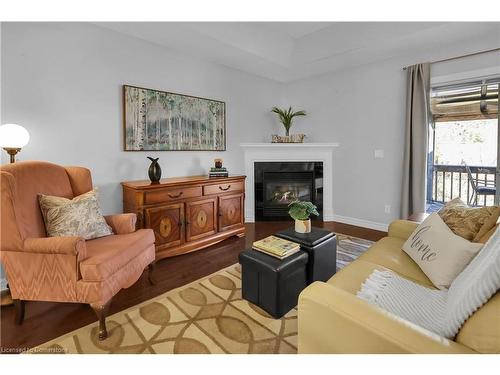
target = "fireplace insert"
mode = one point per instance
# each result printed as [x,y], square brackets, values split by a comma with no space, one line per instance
[277,184]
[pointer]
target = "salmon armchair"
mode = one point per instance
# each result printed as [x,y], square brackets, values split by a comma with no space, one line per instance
[65,269]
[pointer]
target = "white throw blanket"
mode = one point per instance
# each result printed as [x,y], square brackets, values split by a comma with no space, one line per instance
[442,312]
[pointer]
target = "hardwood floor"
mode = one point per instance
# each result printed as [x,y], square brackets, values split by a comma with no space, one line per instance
[45,321]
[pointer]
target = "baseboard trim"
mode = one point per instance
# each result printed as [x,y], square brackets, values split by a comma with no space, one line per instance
[359,222]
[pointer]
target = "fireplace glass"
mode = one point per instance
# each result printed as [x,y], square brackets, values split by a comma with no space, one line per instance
[277,184]
[283,192]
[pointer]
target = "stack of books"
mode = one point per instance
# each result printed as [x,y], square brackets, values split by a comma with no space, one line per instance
[218,172]
[276,247]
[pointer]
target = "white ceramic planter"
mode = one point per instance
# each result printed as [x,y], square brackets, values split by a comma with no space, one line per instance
[303,226]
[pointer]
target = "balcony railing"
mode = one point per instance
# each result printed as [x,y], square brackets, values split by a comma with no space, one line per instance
[451,181]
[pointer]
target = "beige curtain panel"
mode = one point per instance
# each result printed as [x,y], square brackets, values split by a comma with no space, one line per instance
[415,153]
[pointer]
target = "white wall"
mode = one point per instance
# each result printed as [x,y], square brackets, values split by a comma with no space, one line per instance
[364,109]
[63,83]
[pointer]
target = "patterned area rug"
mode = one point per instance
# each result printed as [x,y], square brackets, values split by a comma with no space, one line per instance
[206,316]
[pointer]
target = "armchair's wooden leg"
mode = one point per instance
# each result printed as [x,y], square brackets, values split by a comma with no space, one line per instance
[102,311]
[151,276]
[19,311]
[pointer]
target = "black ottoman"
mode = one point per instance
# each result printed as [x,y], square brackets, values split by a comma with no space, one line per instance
[321,245]
[270,283]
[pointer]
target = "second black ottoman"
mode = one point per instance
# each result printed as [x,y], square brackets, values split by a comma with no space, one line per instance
[321,245]
[270,283]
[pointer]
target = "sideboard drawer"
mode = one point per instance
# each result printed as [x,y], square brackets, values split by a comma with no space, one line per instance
[223,188]
[152,197]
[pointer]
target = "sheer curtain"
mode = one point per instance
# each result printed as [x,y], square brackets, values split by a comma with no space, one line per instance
[415,153]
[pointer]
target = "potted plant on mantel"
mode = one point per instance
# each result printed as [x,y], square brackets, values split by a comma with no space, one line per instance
[286,116]
[301,212]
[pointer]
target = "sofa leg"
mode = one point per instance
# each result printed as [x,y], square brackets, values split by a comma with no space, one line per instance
[151,271]
[102,311]
[19,311]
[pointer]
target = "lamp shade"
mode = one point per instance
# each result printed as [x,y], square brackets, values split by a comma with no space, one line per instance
[13,136]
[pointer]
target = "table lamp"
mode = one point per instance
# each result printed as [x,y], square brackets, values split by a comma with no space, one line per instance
[12,138]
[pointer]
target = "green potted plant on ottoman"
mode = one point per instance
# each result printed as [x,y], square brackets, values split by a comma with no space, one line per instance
[301,212]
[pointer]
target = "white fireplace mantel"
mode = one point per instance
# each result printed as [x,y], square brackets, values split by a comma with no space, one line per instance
[260,152]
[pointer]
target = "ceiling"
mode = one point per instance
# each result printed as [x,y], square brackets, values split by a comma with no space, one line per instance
[288,51]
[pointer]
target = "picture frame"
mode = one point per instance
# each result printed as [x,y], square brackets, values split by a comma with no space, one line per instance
[156,120]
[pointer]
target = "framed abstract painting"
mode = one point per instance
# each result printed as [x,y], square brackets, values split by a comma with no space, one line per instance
[163,121]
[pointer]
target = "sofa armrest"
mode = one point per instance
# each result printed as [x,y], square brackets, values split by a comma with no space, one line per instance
[122,223]
[57,245]
[331,320]
[402,229]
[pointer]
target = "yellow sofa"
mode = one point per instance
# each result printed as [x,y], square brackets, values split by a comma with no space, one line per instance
[331,319]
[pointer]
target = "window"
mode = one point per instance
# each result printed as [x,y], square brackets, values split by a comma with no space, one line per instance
[463,144]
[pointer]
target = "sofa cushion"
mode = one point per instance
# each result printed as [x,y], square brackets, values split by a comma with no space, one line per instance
[353,275]
[402,229]
[488,234]
[470,223]
[387,253]
[107,255]
[481,331]
[77,217]
[99,292]
[440,253]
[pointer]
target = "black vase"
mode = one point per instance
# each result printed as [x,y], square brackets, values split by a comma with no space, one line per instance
[154,170]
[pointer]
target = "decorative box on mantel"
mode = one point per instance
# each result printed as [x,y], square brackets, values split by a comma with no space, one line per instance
[289,152]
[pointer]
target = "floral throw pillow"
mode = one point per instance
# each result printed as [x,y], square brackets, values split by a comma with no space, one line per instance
[471,223]
[80,216]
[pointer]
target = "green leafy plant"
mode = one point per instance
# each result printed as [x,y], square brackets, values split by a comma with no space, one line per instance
[302,210]
[286,116]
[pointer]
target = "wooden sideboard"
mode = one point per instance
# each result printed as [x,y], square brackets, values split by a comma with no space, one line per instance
[187,213]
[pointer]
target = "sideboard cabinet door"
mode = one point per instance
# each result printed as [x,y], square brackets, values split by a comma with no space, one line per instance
[201,218]
[231,211]
[167,223]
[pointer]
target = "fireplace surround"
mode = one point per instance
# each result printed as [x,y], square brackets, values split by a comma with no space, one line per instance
[289,152]
[276,184]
